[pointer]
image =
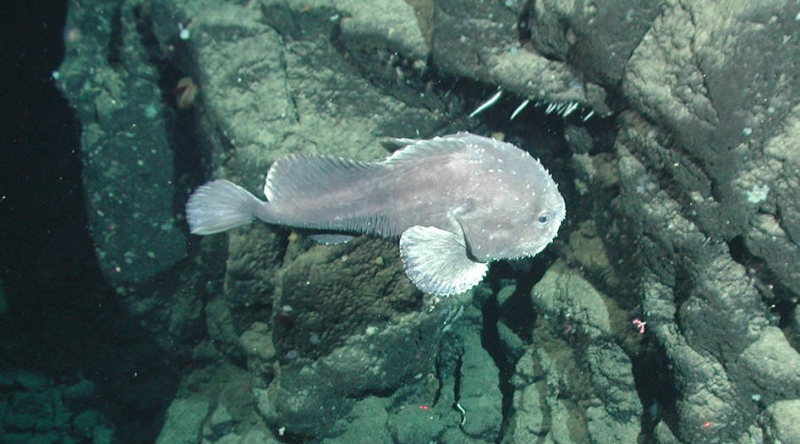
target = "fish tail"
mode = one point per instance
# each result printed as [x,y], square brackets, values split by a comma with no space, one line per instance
[219,206]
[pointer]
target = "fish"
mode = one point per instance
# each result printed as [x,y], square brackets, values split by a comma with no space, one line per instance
[456,202]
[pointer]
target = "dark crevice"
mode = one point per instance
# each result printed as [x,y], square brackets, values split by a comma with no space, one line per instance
[655,385]
[779,299]
[457,381]
[737,249]
[189,158]
[115,42]
[490,339]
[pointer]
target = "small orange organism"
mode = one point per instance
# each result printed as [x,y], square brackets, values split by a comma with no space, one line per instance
[185,93]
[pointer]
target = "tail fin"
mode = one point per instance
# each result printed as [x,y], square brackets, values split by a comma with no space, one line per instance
[219,206]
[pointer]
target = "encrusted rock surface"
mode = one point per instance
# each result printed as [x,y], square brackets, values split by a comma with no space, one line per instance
[666,310]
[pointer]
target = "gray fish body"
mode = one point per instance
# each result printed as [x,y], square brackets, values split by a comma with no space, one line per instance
[457,202]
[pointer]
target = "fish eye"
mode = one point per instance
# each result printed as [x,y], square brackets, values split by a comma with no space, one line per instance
[544,218]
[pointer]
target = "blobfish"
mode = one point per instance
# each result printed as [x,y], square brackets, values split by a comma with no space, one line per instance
[456,203]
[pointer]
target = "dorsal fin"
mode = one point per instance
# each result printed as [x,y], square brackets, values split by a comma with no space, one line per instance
[308,175]
[416,149]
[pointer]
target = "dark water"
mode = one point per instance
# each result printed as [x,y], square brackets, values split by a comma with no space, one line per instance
[61,328]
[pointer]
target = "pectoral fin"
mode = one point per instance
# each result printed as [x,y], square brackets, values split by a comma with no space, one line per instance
[436,261]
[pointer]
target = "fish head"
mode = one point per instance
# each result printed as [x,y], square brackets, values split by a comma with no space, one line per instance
[514,216]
